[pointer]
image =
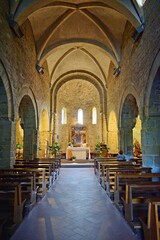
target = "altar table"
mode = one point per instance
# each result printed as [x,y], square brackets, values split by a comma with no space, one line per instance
[78,152]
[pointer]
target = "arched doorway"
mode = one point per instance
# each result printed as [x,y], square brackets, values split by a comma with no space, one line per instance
[128,121]
[28,124]
[112,133]
[137,148]
[19,139]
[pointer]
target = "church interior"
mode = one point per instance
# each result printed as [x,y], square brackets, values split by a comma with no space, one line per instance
[79,82]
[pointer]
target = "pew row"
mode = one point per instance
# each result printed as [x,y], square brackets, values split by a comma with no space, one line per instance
[135,202]
[151,225]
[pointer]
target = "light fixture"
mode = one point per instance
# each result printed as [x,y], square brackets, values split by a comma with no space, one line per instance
[40,69]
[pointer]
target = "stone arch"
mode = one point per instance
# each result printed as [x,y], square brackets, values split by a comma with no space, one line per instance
[128,117]
[6,119]
[27,117]
[84,76]
[130,89]
[73,101]
[113,132]
[151,126]
[151,77]
[25,90]
[8,90]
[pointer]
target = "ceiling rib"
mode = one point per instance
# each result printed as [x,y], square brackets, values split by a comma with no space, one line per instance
[50,30]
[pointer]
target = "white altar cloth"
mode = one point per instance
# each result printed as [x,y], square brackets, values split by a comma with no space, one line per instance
[79,152]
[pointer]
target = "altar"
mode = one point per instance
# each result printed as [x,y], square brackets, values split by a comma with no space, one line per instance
[78,152]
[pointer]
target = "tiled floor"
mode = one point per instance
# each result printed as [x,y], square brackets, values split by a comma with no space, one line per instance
[76,208]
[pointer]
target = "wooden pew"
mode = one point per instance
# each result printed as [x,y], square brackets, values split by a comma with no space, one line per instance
[10,206]
[48,172]
[51,161]
[111,182]
[151,225]
[38,176]
[135,199]
[122,178]
[29,194]
[57,161]
[103,174]
[97,160]
[102,165]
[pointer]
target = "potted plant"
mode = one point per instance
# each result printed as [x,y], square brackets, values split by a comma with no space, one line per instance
[19,147]
[56,148]
[73,158]
[102,149]
[70,144]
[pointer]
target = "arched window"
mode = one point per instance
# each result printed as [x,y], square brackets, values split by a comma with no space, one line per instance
[64,116]
[141,2]
[80,116]
[94,115]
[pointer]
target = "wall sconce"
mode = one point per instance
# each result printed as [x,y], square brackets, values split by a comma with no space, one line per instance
[116,71]
[39,69]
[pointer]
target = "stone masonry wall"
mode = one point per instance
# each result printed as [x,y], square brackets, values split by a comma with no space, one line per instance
[136,61]
[73,95]
[19,59]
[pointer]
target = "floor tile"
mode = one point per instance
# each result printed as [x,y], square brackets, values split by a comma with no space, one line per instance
[76,208]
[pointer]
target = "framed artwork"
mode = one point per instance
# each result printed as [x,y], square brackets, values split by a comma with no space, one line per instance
[78,134]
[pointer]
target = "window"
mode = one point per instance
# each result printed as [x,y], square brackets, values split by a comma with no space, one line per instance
[80,116]
[94,115]
[64,116]
[141,2]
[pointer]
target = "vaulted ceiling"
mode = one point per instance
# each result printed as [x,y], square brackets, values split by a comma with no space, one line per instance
[77,36]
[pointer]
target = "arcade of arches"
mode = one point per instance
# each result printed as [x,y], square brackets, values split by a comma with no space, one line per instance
[75,55]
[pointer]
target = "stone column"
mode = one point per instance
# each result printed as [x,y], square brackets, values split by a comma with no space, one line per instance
[29,141]
[151,143]
[6,146]
[126,140]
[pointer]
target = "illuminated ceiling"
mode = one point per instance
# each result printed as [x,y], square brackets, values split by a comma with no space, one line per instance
[77,35]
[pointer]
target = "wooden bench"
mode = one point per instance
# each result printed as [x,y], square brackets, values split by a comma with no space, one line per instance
[102,165]
[10,206]
[104,168]
[29,193]
[97,160]
[135,200]
[38,176]
[56,164]
[151,225]
[48,172]
[122,178]
[110,181]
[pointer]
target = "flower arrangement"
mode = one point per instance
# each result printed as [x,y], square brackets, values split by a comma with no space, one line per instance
[54,149]
[101,145]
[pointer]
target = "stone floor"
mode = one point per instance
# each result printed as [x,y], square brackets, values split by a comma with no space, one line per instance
[76,208]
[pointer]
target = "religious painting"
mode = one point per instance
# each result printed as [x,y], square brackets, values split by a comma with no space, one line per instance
[78,134]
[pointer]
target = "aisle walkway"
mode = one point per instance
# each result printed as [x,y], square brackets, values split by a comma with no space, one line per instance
[77,208]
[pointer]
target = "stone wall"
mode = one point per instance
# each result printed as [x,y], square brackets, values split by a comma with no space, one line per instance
[136,63]
[19,59]
[73,95]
